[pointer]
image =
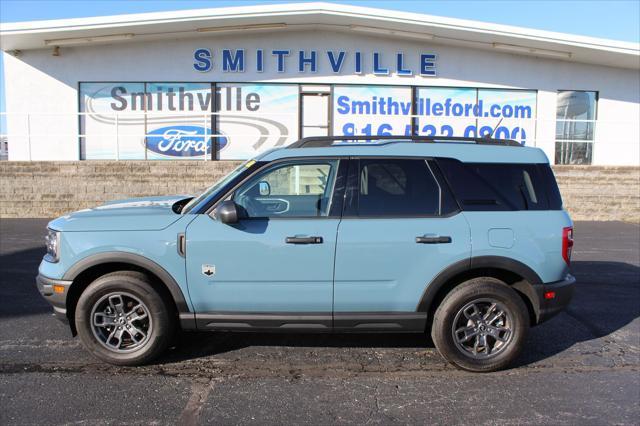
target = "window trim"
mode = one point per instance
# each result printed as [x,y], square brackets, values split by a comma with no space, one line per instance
[338,192]
[350,210]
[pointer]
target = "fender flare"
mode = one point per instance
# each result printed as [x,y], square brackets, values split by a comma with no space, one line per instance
[136,260]
[499,262]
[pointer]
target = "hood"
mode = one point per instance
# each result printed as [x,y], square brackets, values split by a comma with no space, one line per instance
[134,214]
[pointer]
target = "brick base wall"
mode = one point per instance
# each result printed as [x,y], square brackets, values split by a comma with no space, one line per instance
[50,189]
[600,192]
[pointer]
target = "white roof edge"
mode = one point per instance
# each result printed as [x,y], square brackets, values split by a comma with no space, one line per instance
[382,15]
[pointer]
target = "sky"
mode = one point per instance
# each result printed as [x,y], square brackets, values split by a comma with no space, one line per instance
[613,19]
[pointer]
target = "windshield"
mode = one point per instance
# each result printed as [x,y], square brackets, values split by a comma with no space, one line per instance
[217,186]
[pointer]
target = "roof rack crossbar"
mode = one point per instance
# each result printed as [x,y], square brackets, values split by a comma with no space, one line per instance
[326,141]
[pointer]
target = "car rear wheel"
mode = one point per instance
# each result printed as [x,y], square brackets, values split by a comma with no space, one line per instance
[121,319]
[481,325]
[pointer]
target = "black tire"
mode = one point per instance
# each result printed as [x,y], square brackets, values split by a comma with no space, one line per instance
[473,296]
[132,287]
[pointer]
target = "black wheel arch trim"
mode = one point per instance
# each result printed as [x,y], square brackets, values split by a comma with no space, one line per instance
[136,260]
[479,262]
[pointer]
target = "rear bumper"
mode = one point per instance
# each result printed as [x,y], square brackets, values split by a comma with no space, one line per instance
[57,296]
[563,293]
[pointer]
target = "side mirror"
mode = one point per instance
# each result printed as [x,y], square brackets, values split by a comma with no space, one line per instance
[227,212]
[264,188]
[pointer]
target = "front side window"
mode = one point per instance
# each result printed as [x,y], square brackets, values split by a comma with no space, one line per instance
[397,187]
[301,189]
[575,126]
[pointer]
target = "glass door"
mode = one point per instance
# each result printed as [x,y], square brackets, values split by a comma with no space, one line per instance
[315,110]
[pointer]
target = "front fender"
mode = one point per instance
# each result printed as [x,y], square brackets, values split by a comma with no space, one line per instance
[135,260]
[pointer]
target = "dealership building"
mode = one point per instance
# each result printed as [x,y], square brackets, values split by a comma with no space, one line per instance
[228,83]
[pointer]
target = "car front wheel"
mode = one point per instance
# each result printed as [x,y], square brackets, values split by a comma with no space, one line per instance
[481,325]
[121,319]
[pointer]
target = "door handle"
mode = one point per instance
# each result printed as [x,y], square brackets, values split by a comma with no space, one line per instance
[303,240]
[433,239]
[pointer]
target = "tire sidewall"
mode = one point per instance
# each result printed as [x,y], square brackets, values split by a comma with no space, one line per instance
[467,292]
[138,287]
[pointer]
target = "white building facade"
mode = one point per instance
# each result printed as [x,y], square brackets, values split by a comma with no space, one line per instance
[222,84]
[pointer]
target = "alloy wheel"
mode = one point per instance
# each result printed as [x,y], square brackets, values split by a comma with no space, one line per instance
[482,328]
[121,322]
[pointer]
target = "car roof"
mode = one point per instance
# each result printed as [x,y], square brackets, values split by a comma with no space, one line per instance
[465,152]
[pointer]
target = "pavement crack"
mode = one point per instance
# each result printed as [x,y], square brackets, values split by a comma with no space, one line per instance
[199,393]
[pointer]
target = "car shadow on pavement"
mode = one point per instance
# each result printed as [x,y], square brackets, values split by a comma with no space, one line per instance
[605,300]
[19,295]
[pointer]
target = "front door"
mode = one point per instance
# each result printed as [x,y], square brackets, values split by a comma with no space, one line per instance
[398,232]
[274,268]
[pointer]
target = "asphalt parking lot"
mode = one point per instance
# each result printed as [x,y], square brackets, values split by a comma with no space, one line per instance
[582,367]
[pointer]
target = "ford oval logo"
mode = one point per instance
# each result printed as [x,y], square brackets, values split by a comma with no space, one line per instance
[182,141]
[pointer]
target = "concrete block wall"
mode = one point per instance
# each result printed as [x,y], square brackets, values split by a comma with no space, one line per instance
[50,189]
[53,188]
[600,192]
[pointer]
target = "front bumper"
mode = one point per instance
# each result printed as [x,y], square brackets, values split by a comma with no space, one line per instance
[55,292]
[563,293]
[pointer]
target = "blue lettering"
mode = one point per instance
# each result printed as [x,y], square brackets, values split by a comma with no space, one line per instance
[259,60]
[281,55]
[233,62]
[202,59]
[358,63]
[400,65]
[311,61]
[428,64]
[377,68]
[343,105]
[385,130]
[336,64]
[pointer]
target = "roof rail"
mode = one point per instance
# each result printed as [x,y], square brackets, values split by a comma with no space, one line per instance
[326,141]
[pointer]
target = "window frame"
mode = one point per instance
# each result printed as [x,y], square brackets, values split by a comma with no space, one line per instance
[337,197]
[352,191]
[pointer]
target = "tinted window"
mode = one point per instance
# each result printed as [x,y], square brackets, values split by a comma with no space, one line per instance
[301,189]
[495,186]
[396,187]
[553,192]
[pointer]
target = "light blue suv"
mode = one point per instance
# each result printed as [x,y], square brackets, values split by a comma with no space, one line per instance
[462,238]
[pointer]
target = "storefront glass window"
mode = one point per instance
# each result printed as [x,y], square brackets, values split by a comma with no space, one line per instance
[468,112]
[371,110]
[178,121]
[444,111]
[575,126]
[509,114]
[252,118]
[112,121]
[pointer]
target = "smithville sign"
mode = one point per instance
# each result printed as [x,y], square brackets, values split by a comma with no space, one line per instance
[238,60]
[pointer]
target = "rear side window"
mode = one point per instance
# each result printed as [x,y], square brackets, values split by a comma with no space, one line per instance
[397,187]
[553,192]
[498,186]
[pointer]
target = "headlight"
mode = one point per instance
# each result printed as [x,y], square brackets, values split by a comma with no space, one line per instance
[52,241]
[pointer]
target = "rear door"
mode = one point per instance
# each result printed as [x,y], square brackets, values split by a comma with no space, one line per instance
[400,228]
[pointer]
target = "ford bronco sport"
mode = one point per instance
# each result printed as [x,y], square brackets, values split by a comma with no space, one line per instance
[462,238]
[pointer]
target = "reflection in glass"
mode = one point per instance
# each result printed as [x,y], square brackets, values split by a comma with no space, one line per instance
[575,124]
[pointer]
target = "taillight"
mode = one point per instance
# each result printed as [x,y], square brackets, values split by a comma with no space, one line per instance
[567,244]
